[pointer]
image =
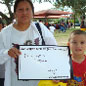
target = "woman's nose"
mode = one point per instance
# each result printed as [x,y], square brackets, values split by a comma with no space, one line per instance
[24,11]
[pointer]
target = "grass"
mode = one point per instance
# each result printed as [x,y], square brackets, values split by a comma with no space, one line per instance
[62,37]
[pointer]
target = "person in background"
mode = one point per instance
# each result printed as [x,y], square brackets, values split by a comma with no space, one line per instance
[41,21]
[62,26]
[47,24]
[52,28]
[77,44]
[2,69]
[83,24]
[19,33]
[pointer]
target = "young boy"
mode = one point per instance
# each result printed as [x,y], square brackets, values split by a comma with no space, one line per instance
[77,44]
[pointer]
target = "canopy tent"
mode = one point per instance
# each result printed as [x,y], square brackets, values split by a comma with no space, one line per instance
[50,14]
[51,17]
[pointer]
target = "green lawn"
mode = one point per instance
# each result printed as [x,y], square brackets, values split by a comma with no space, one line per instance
[62,37]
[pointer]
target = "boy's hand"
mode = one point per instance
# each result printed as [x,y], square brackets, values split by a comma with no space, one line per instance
[56,81]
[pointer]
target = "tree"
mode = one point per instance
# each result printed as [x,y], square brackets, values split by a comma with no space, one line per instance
[9,4]
[78,6]
[40,1]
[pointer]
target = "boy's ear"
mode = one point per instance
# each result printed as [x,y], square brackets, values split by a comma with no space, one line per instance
[68,44]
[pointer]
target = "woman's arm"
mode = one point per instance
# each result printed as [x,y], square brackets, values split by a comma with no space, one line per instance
[6,54]
[3,51]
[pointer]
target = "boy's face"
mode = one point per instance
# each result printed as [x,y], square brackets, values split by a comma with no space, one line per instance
[78,44]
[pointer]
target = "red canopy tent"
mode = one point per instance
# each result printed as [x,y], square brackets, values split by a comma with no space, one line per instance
[50,14]
[51,17]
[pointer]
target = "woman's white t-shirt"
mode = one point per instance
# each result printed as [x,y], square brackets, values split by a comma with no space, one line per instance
[32,36]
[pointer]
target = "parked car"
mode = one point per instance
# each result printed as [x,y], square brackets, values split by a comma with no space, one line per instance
[77,24]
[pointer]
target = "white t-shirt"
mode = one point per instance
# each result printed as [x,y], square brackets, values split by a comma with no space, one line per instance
[12,35]
[21,38]
[52,29]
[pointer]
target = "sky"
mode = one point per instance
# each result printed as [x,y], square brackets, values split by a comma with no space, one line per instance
[3,8]
[37,7]
[42,6]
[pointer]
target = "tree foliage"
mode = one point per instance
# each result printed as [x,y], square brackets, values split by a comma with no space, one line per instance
[78,6]
[8,4]
[40,1]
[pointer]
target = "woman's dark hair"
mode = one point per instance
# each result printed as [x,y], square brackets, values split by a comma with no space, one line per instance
[1,22]
[18,1]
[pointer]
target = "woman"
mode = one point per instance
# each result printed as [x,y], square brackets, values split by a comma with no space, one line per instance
[19,33]
[1,66]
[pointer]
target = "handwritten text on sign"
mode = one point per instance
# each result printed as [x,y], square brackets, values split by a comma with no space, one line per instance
[44,62]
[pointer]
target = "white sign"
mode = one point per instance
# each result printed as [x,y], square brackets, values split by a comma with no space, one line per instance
[44,62]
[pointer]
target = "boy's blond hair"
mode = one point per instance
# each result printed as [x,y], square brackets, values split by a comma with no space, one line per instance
[77,32]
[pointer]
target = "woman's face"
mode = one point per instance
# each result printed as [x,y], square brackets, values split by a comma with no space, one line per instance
[23,13]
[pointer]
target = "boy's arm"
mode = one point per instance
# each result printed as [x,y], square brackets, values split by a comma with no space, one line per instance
[56,81]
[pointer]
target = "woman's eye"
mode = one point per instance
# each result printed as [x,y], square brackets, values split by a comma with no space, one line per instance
[27,9]
[20,10]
